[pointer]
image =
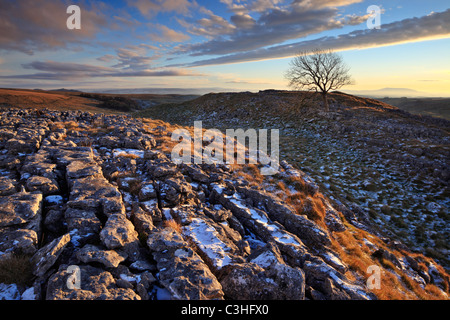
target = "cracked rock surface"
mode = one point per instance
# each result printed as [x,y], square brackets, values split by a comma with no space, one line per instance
[100,195]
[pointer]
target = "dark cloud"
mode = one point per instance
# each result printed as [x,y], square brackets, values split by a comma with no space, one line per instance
[152,7]
[276,23]
[431,26]
[133,59]
[29,25]
[57,67]
[162,33]
[53,70]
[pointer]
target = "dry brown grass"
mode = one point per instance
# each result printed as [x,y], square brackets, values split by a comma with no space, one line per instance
[249,172]
[165,144]
[128,155]
[72,125]
[16,269]
[395,283]
[39,99]
[173,225]
[297,183]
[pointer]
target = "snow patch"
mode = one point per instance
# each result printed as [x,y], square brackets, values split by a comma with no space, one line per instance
[206,238]
[54,200]
[130,152]
[29,294]
[9,292]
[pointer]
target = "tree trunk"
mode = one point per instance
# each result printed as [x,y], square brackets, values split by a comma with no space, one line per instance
[325,102]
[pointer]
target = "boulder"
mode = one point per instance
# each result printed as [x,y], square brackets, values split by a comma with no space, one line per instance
[118,232]
[161,168]
[20,241]
[142,220]
[285,282]
[142,142]
[197,174]
[109,142]
[96,194]
[174,191]
[109,258]
[45,257]
[384,254]
[151,207]
[95,284]
[212,242]
[21,208]
[332,284]
[45,185]
[18,145]
[249,281]
[7,186]
[82,222]
[147,192]
[307,230]
[39,164]
[82,169]
[65,155]
[181,271]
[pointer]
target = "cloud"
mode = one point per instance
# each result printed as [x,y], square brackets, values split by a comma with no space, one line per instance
[256,5]
[54,70]
[28,25]
[106,58]
[152,7]
[247,82]
[55,66]
[166,34]
[211,26]
[429,27]
[134,58]
[243,21]
[326,3]
[276,23]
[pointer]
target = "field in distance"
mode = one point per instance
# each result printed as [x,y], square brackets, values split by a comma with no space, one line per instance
[76,100]
[435,107]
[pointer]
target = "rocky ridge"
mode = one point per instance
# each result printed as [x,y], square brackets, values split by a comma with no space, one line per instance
[385,163]
[92,207]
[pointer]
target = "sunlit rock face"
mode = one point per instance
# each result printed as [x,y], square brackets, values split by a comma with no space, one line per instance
[100,211]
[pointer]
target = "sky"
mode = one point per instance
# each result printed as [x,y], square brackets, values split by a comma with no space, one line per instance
[243,45]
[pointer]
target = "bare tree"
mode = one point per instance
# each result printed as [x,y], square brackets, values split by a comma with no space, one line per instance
[319,71]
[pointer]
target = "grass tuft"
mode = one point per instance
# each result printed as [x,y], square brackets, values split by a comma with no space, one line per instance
[16,269]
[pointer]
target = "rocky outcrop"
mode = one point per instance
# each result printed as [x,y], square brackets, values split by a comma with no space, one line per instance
[101,211]
[377,164]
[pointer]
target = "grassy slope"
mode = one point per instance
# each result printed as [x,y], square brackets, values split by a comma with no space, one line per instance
[354,245]
[22,98]
[248,110]
[67,100]
[436,107]
[353,153]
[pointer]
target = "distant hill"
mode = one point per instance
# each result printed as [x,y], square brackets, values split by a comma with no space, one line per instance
[65,90]
[66,99]
[435,107]
[40,99]
[391,92]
